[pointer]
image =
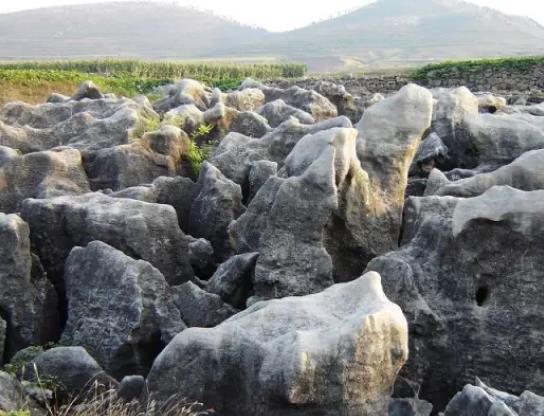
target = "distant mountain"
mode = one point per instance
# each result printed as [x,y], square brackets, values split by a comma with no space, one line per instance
[384,33]
[150,30]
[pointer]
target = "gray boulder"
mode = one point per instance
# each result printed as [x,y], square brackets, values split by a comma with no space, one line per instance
[41,175]
[125,302]
[71,369]
[141,230]
[250,124]
[524,173]
[28,303]
[199,308]
[87,90]
[482,400]
[130,388]
[259,173]
[186,91]
[233,280]
[11,393]
[467,304]
[236,152]
[276,112]
[430,152]
[84,125]
[217,204]
[333,353]
[390,133]
[201,257]
[158,153]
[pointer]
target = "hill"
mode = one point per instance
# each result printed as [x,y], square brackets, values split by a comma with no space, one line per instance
[387,33]
[134,29]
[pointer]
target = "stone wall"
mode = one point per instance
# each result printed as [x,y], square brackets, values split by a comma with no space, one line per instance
[498,79]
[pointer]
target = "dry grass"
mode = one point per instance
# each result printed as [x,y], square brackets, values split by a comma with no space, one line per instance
[33,94]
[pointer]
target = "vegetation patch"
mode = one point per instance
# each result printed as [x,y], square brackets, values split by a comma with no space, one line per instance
[447,68]
[32,82]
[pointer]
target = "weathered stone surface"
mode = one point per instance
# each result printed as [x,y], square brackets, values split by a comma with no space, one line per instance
[276,112]
[185,92]
[524,173]
[11,393]
[87,90]
[199,308]
[248,99]
[233,280]
[130,388]
[470,304]
[259,173]
[84,125]
[430,152]
[71,368]
[201,257]
[41,175]
[217,204]
[178,192]
[3,328]
[333,353]
[141,230]
[236,153]
[482,400]
[250,124]
[28,302]
[119,309]
[409,407]
[158,153]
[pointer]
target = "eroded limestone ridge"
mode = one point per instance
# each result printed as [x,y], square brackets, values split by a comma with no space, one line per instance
[128,260]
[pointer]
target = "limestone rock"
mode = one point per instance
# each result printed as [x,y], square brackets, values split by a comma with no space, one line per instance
[276,112]
[233,280]
[217,204]
[85,125]
[199,308]
[72,369]
[41,175]
[201,257]
[3,328]
[87,90]
[409,407]
[11,393]
[28,302]
[185,92]
[296,356]
[458,292]
[236,153]
[141,230]
[158,153]
[259,173]
[125,302]
[524,173]
[250,124]
[480,399]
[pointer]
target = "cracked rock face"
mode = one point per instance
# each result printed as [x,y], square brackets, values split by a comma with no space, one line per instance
[124,301]
[28,303]
[457,292]
[267,360]
[141,230]
[41,175]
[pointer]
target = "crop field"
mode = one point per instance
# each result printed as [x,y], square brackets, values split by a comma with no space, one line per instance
[33,81]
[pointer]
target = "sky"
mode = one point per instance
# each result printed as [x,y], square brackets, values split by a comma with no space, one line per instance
[281,15]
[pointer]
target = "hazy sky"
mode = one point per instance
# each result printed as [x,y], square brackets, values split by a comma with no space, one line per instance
[278,15]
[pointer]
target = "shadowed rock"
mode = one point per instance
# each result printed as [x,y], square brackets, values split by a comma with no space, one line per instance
[458,292]
[125,302]
[28,302]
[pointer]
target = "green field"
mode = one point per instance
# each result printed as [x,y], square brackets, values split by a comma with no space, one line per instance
[33,81]
[444,69]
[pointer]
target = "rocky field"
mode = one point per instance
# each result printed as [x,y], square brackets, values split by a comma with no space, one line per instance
[272,251]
